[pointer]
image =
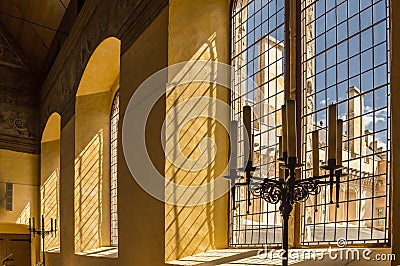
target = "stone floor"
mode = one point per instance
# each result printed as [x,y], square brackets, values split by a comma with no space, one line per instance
[230,257]
[324,235]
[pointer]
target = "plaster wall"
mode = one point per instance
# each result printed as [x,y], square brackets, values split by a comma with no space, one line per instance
[141,217]
[22,169]
[92,172]
[201,34]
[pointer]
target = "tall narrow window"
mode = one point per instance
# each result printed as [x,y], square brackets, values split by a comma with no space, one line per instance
[49,179]
[258,60]
[346,61]
[114,170]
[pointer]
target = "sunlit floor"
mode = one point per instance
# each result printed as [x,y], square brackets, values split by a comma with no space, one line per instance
[312,234]
[257,257]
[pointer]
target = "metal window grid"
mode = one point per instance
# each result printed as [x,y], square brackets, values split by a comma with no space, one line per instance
[345,43]
[114,170]
[258,60]
[345,59]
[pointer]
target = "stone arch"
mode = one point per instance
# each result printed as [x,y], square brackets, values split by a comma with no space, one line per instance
[52,128]
[102,68]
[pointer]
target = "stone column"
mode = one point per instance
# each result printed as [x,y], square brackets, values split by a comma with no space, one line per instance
[395,120]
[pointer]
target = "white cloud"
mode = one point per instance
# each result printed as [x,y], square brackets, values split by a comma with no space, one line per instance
[368,108]
[369,119]
[382,112]
[323,102]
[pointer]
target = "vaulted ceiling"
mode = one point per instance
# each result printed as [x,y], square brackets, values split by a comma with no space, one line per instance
[31,35]
[32,27]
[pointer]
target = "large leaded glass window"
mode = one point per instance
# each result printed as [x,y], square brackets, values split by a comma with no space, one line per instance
[346,61]
[114,170]
[258,60]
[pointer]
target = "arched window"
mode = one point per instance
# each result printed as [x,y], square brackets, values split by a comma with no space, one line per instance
[50,178]
[114,169]
[344,59]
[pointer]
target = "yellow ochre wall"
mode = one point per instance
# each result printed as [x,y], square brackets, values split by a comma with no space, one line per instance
[92,168]
[22,169]
[141,217]
[152,232]
[198,30]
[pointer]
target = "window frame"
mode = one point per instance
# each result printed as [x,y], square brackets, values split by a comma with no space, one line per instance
[296,43]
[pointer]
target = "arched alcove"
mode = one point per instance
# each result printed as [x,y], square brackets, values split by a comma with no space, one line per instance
[50,177]
[102,69]
[98,85]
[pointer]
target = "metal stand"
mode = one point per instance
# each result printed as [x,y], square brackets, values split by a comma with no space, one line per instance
[288,191]
[42,232]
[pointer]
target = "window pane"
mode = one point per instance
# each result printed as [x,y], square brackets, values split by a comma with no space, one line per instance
[258,82]
[354,74]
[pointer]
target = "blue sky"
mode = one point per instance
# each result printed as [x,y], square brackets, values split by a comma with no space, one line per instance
[348,50]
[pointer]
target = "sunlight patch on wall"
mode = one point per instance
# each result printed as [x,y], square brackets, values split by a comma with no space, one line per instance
[208,51]
[195,153]
[88,195]
[23,218]
[50,207]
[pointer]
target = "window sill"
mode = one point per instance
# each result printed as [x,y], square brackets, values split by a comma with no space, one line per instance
[55,250]
[103,252]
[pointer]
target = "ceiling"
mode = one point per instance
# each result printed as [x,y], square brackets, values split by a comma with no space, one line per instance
[32,26]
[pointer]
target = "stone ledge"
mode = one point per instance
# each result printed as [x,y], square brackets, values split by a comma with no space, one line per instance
[103,252]
[55,250]
[19,144]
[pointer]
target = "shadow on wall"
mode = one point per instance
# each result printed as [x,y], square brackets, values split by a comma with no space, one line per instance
[88,195]
[190,230]
[94,97]
[49,194]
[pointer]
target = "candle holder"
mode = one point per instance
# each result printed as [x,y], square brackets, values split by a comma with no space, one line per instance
[42,232]
[287,189]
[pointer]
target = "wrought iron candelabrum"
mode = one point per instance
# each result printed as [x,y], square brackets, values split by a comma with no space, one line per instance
[289,190]
[42,232]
